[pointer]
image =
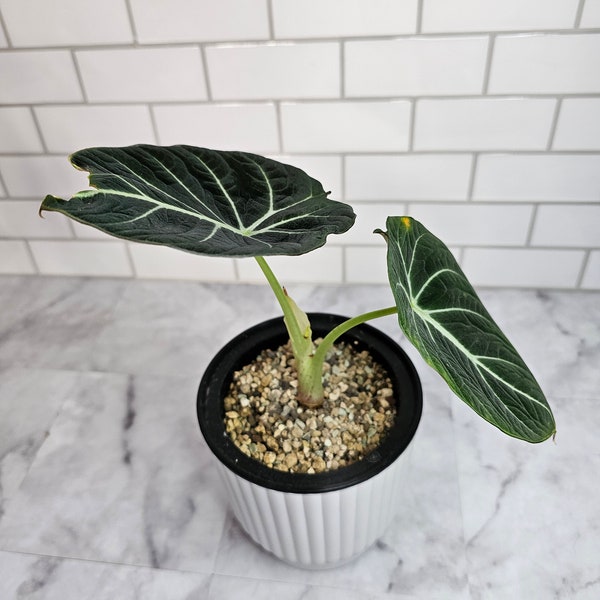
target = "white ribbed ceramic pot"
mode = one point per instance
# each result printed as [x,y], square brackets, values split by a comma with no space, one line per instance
[324,519]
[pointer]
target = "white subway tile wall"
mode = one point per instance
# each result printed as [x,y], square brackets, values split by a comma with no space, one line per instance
[18,132]
[490,15]
[591,14]
[591,277]
[345,126]
[66,22]
[64,128]
[15,258]
[274,71]
[480,118]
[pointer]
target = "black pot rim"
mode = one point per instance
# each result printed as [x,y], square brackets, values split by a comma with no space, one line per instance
[272,333]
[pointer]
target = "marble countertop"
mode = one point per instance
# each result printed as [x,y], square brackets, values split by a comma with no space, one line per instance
[108,492]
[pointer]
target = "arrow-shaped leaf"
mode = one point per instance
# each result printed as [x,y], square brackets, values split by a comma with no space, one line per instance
[441,314]
[203,201]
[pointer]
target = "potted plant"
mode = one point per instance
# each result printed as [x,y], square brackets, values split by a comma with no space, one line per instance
[312,493]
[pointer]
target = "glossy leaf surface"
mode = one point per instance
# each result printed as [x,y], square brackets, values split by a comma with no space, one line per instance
[203,201]
[441,314]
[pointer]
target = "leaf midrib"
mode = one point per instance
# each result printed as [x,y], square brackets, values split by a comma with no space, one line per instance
[425,315]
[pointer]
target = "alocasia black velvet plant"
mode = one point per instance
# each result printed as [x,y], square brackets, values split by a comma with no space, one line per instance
[238,204]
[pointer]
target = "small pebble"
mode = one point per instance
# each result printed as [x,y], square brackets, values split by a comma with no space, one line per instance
[265,421]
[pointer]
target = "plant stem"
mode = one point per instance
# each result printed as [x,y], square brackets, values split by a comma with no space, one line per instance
[335,333]
[309,362]
[290,319]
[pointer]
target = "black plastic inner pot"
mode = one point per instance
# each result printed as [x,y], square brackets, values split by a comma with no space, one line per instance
[271,334]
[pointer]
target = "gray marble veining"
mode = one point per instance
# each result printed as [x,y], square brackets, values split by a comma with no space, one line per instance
[108,491]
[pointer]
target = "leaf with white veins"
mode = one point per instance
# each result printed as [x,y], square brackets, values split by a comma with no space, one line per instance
[203,201]
[441,314]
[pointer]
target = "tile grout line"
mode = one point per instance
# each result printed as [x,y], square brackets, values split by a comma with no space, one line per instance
[553,125]
[205,67]
[134,32]
[342,69]
[32,257]
[412,123]
[4,29]
[79,78]
[302,41]
[130,261]
[472,176]
[154,124]
[419,24]
[38,128]
[279,124]
[529,236]
[316,99]
[583,269]
[415,152]
[271,20]
[579,14]
[488,65]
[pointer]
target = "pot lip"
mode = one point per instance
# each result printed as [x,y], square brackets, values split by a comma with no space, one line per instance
[244,347]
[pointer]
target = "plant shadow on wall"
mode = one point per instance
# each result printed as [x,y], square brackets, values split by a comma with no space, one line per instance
[309,416]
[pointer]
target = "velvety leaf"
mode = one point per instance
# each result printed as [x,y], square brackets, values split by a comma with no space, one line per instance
[203,201]
[441,314]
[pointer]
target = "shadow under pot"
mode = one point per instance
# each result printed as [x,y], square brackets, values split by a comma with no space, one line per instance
[323,519]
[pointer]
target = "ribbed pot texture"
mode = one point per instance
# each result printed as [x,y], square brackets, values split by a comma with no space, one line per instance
[324,519]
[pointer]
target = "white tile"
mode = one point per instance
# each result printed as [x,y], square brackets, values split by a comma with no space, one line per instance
[14,258]
[250,127]
[591,14]
[516,267]
[483,124]
[323,265]
[415,66]
[345,126]
[200,20]
[591,276]
[70,128]
[38,76]
[578,126]
[66,22]
[267,71]
[17,131]
[475,224]
[20,218]
[366,264]
[371,216]
[537,177]
[408,177]
[2,191]
[546,64]
[577,226]
[489,15]
[3,41]
[161,262]
[142,74]
[36,176]
[106,259]
[343,18]
[87,232]
[327,169]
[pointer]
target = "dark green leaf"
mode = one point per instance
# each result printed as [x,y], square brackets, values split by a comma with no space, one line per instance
[203,201]
[441,314]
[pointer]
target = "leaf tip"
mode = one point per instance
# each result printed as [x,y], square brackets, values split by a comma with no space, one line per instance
[381,233]
[406,221]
